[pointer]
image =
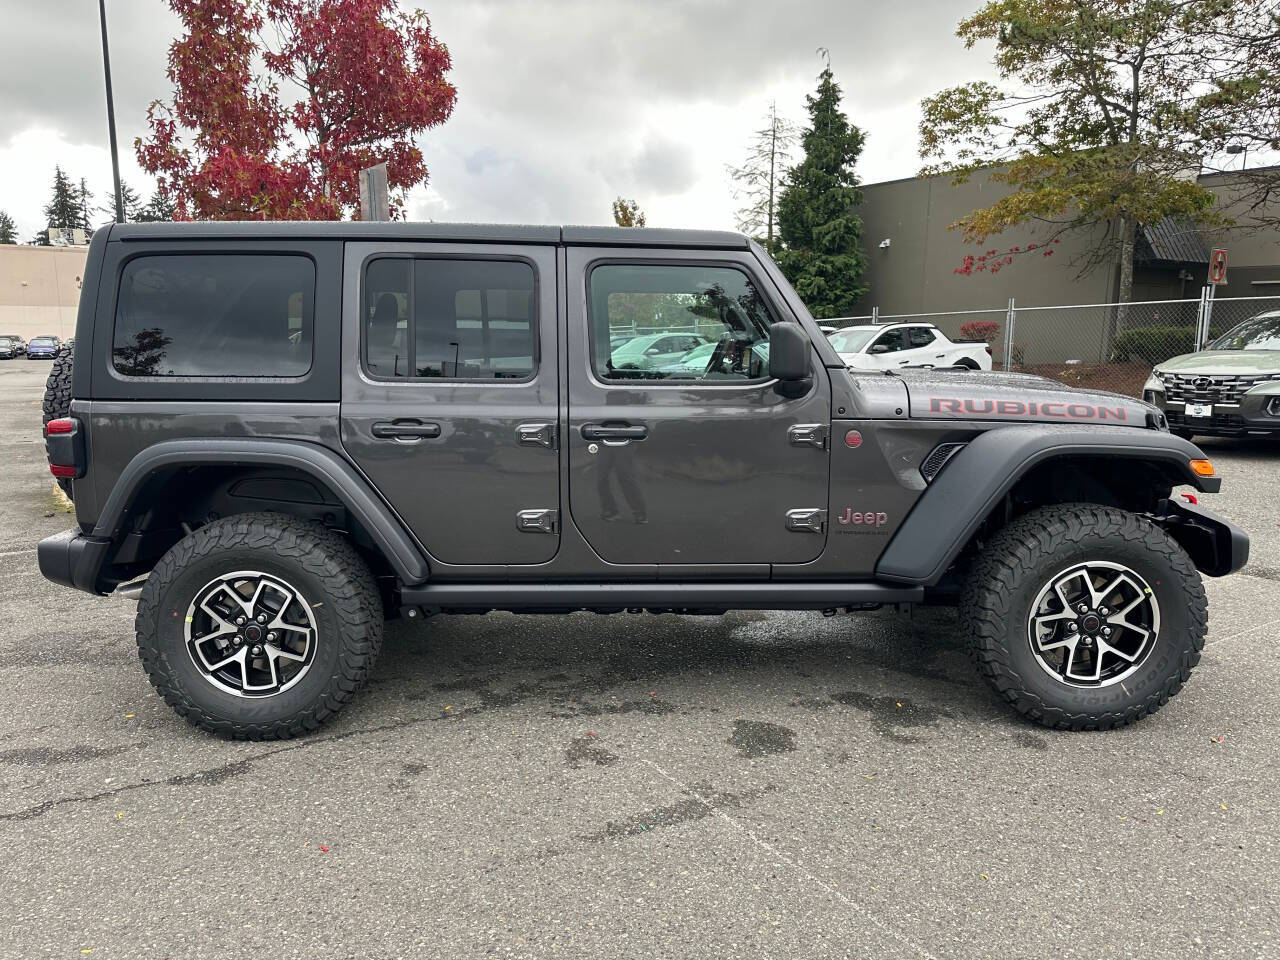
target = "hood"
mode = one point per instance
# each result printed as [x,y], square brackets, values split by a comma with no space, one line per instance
[1017,397]
[1224,362]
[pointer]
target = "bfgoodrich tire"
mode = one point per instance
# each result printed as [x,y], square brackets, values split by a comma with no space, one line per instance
[259,626]
[57,395]
[1085,617]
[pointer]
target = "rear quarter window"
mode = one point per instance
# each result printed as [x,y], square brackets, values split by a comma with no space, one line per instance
[215,315]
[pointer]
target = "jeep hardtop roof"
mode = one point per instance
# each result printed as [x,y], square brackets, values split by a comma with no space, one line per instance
[455,232]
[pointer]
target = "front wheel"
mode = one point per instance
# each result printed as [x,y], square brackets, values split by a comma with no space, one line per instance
[1085,617]
[259,626]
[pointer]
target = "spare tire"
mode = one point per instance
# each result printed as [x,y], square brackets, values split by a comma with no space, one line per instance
[57,395]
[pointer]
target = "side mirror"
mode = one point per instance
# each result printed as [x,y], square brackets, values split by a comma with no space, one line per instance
[879,348]
[788,353]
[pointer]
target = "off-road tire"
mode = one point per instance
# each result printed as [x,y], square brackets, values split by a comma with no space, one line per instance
[1024,556]
[57,396]
[327,571]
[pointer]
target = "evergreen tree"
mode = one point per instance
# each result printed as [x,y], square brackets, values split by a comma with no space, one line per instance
[158,209]
[133,205]
[63,208]
[83,198]
[8,229]
[821,236]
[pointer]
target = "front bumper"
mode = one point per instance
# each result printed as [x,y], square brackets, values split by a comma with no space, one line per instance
[71,559]
[1217,546]
[42,354]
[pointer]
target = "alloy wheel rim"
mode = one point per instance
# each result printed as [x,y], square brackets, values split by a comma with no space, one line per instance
[250,633]
[1093,624]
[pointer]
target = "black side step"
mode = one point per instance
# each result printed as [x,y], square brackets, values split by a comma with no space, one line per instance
[588,596]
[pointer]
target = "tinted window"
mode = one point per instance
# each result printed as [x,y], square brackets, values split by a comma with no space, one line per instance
[215,315]
[677,322]
[920,336]
[469,319]
[891,341]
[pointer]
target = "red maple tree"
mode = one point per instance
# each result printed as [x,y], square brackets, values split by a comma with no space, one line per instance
[368,79]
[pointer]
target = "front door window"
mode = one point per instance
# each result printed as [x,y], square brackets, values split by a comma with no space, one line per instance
[676,322]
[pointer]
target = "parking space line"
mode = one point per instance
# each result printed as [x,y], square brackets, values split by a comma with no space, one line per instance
[1242,633]
[777,854]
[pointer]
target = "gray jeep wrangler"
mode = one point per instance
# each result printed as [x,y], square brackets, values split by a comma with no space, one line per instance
[278,435]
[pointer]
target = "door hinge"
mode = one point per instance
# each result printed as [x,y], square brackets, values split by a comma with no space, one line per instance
[807,520]
[537,521]
[808,435]
[537,435]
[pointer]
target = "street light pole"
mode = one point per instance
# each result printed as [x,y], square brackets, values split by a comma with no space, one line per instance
[111,113]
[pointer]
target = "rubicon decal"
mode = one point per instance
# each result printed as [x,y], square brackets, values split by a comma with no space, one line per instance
[1051,409]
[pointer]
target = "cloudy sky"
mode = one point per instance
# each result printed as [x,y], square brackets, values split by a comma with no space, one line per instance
[562,104]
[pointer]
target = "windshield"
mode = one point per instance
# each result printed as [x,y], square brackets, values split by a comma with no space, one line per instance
[43,342]
[851,341]
[1257,333]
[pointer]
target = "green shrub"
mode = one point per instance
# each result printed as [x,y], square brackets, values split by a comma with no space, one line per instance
[1154,344]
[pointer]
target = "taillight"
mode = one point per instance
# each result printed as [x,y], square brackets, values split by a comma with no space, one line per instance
[64,446]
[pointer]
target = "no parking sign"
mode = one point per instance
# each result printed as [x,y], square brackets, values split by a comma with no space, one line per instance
[1218,266]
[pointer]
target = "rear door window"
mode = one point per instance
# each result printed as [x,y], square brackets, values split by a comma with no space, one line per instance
[920,336]
[215,315]
[450,318]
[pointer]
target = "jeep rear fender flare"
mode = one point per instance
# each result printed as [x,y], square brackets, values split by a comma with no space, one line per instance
[382,525]
[975,480]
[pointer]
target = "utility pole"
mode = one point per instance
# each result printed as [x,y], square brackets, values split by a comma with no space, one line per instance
[111,113]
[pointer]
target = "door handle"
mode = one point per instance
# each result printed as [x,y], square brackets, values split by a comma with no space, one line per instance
[405,430]
[614,432]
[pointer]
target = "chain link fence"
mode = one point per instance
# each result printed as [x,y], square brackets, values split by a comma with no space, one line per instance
[1099,346]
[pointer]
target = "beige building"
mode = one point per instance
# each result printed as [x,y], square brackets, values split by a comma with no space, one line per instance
[40,290]
[915,271]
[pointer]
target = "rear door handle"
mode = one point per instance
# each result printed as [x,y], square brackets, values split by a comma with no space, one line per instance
[614,431]
[405,430]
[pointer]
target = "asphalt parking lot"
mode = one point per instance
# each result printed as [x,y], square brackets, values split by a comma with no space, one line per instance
[756,785]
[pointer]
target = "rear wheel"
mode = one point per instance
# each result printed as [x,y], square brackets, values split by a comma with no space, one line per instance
[57,396]
[1085,617]
[259,626]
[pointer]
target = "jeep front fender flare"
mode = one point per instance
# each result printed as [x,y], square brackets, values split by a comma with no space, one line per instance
[950,511]
[323,464]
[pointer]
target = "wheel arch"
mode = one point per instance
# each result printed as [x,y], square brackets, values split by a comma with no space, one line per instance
[983,485]
[292,477]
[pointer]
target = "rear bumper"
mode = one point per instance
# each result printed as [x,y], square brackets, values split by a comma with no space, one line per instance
[1217,546]
[71,559]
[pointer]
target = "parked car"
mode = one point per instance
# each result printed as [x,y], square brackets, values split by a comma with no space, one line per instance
[697,361]
[652,350]
[43,348]
[11,347]
[251,458]
[1230,388]
[892,345]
